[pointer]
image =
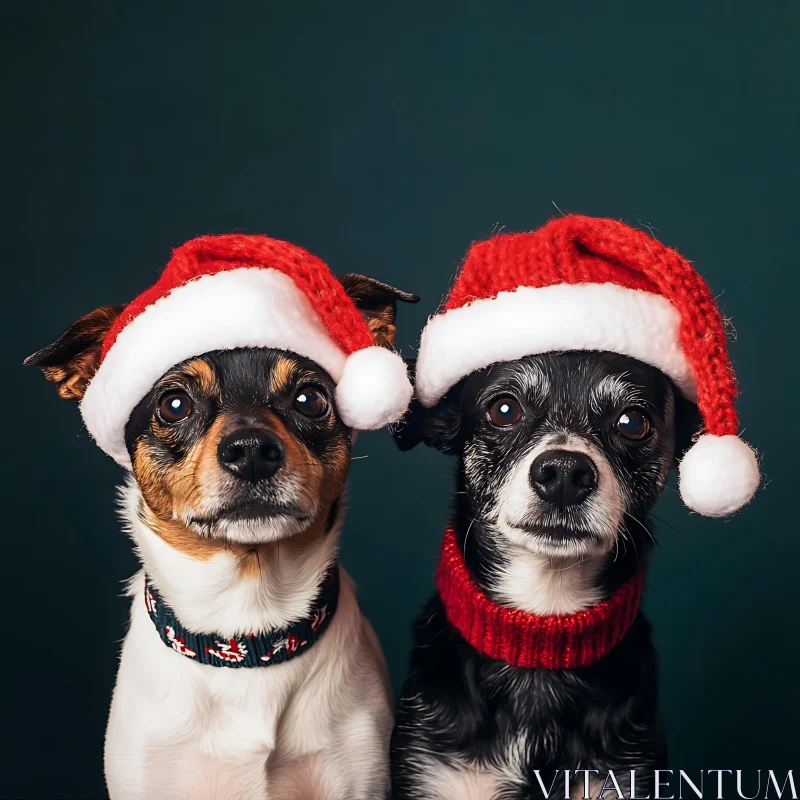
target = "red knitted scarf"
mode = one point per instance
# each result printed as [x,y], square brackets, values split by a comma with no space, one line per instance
[565,641]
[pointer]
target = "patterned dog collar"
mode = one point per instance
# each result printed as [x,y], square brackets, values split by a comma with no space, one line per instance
[250,650]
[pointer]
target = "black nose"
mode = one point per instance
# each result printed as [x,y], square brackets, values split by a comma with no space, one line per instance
[563,477]
[251,454]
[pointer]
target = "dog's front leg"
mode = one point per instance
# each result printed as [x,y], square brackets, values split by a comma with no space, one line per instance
[139,767]
[183,772]
[169,736]
[353,767]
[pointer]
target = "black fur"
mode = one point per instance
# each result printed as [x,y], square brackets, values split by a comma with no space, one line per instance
[458,706]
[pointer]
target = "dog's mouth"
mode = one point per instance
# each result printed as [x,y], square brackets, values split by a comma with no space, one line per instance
[253,511]
[561,535]
[556,540]
[558,533]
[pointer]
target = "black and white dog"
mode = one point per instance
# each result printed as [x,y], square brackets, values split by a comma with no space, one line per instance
[561,458]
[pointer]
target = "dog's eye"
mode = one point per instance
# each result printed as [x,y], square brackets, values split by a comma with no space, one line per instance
[505,411]
[310,401]
[633,424]
[174,407]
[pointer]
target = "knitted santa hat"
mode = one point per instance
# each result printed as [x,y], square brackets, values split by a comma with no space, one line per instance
[581,283]
[223,292]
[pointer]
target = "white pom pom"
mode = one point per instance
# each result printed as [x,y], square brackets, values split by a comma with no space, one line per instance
[718,475]
[374,389]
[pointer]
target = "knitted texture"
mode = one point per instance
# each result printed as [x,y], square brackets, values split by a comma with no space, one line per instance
[237,291]
[568,641]
[586,284]
[265,649]
[208,255]
[578,249]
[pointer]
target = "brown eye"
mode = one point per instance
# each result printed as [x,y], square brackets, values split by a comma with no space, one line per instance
[633,424]
[505,411]
[174,407]
[310,402]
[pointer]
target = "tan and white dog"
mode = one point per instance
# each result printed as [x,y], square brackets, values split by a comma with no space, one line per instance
[248,670]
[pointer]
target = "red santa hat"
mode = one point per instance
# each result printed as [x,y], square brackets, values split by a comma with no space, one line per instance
[581,283]
[223,292]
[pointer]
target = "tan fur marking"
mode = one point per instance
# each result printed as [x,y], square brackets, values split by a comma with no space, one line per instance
[185,541]
[170,492]
[164,488]
[282,375]
[336,464]
[250,562]
[382,329]
[298,459]
[202,373]
[72,360]
[196,374]
[377,303]
[71,382]
[206,471]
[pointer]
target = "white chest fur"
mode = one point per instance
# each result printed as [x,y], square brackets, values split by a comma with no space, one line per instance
[314,727]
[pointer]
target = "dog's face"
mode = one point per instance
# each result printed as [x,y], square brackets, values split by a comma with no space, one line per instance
[239,445]
[561,453]
[243,445]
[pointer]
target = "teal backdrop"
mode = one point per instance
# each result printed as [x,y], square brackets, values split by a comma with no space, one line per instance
[385,137]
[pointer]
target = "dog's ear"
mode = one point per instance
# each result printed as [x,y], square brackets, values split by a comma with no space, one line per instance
[688,424]
[439,427]
[408,431]
[71,361]
[377,303]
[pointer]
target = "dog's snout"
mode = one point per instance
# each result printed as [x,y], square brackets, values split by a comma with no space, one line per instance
[563,477]
[252,454]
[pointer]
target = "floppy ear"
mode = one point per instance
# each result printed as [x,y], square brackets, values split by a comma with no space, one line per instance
[439,427]
[688,424]
[72,360]
[377,303]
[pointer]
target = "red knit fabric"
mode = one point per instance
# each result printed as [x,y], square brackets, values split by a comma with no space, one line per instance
[578,249]
[207,255]
[566,641]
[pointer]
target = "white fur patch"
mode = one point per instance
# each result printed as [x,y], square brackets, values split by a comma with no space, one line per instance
[613,390]
[529,321]
[535,577]
[460,780]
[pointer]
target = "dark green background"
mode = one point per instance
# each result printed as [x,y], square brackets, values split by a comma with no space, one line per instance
[384,138]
